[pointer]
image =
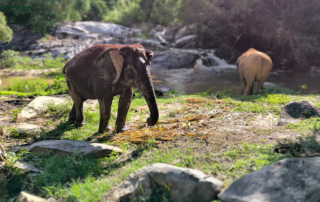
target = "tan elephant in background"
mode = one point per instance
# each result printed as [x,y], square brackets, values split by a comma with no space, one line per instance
[253,66]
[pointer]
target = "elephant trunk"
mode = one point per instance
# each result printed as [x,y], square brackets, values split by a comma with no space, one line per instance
[146,88]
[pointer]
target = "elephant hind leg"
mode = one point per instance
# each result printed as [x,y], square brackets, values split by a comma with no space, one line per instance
[243,85]
[73,114]
[77,109]
[261,82]
[249,88]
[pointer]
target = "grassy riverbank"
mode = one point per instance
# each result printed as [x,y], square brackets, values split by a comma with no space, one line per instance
[15,61]
[227,138]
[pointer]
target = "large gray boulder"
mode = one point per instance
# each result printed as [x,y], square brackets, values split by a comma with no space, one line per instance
[106,29]
[147,43]
[293,111]
[187,185]
[185,31]
[67,147]
[37,105]
[288,180]
[71,31]
[175,59]
[190,41]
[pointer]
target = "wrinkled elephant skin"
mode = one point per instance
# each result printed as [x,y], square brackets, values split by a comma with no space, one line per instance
[253,66]
[103,71]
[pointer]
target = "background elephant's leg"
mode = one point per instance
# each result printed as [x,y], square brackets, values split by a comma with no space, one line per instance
[243,85]
[261,82]
[105,112]
[251,90]
[73,114]
[249,87]
[123,108]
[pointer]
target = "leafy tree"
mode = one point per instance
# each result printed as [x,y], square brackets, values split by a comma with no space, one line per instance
[5,31]
[98,9]
[41,16]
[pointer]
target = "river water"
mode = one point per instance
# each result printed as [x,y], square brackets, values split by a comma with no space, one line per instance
[189,82]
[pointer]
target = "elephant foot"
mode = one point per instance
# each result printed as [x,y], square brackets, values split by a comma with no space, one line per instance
[108,128]
[80,124]
[123,129]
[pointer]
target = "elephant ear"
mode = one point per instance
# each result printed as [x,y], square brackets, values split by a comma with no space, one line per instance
[117,60]
[150,55]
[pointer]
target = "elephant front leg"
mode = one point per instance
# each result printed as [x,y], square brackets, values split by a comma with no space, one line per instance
[105,112]
[123,108]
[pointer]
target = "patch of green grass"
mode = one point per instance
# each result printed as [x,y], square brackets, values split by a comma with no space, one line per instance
[312,124]
[249,158]
[15,113]
[14,60]
[28,86]
[277,90]
[33,87]
[46,37]
[60,169]
[272,103]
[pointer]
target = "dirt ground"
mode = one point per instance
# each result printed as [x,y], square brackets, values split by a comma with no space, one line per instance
[216,126]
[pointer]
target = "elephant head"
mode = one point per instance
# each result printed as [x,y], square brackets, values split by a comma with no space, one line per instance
[132,65]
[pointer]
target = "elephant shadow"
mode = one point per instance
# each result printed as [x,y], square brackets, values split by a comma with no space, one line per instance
[66,126]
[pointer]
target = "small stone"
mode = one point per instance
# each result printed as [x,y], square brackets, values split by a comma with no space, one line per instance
[131,176]
[28,129]
[28,197]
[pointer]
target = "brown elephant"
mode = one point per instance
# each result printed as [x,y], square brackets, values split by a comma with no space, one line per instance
[103,71]
[253,66]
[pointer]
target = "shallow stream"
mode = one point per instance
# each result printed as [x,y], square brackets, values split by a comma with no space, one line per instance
[189,82]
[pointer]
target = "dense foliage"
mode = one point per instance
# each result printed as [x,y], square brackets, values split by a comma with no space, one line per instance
[5,31]
[41,16]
